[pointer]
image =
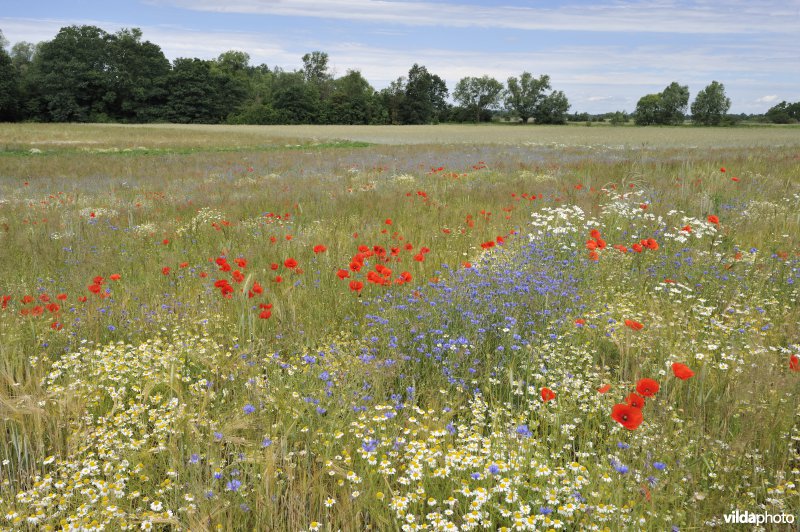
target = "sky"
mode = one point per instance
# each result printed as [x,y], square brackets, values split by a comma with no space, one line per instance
[604,55]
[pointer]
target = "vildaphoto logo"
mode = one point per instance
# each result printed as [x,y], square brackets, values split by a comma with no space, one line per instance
[751,518]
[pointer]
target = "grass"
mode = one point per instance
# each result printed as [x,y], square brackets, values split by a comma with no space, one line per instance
[152,400]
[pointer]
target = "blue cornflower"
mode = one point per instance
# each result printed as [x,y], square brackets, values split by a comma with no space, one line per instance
[660,465]
[249,409]
[524,431]
[233,485]
[494,469]
[194,458]
[266,442]
[621,468]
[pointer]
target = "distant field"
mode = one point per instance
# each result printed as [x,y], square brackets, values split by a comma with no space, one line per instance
[398,328]
[53,136]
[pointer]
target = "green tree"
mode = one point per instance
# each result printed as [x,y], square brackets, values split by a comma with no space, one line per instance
[391,101]
[552,109]
[351,101]
[9,85]
[71,75]
[710,105]
[784,113]
[233,77]
[294,100]
[674,103]
[194,93]
[425,97]
[478,95]
[665,108]
[648,110]
[524,95]
[138,74]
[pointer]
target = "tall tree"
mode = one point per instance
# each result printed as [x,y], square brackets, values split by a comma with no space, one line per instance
[9,85]
[674,103]
[478,94]
[552,109]
[710,105]
[71,73]
[351,101]
[425,97]
[137,74]
[391,99]
[194,93]
[648,110]
[524,94]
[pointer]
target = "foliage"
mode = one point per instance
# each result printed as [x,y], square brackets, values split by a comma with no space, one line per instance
[524,95]
[665,108]
[710,105]
[784,113]
[478,95]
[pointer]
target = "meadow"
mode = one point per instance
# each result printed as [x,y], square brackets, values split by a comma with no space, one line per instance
[398,328]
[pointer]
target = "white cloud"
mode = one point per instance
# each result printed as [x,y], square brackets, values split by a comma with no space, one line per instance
[767,99]
[666,16]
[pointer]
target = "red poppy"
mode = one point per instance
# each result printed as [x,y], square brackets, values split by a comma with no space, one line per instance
[682,371]
[627,416]
[419,257]
[44,298]
[60,297]
[95,288]
[594,256]
[98,280]
[290,263]
[278,279]
[265,314]
[27,299]
[637,248]
[165,270]
[53,307]
[319,248]
[634,400]
[580,321]
[257,288]
[794,363]
[713,219]
[274,266]
[388,221]
[591,245]
[237,276]
[604,388]
[548,394]
[165,241]
[635,325]
[647,387]
[686,228]
[356,286]
[342,274]
[56,326]
[594,233]
[288,237]
[466,264]
[735,179]
[651,244]
[722,169]
[601,244]
[242,263]
[82,299]
[115,277]
[406,277]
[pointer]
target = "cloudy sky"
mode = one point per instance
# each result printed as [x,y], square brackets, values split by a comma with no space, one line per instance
[604,55]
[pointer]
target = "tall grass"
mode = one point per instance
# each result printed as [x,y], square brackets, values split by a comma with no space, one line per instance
[159,402]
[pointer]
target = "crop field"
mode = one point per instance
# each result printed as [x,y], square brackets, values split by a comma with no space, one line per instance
[398,328]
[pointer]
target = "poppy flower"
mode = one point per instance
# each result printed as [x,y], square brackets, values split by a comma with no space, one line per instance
[637,248]
[580,321]
[53,308]
[27,299]
[274,266]
[419,257]
[242,263]
[290,263]
[647,387]
[115,277]
[95,288]
[278,279]
[388,221]
[165,241]
[722,169]
[594,233]
[257,288]
[356,286]
[466,264]
[98,280]
[686,228]
[237,276]
[82,299]
[265,314]
[627,416]
[682,371]
[635,325]
[60,297]
[165,270]
[712,218]
[548,394]
[634,400]
[319,248]
[604,388]
[794,363]
[56,326]
[342,274]
[591,245]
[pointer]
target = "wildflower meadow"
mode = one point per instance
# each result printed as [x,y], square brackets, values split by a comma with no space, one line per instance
[304,329]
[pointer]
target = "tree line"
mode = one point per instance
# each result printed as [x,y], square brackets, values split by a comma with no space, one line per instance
[88,75]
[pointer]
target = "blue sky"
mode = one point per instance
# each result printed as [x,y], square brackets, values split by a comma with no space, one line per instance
[603,55]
